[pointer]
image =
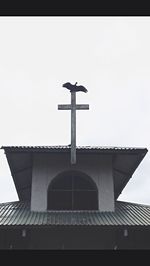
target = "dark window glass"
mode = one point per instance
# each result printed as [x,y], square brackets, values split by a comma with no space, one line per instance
[60,200]
[64,182]
[72,192]
[85,200]
[82,183]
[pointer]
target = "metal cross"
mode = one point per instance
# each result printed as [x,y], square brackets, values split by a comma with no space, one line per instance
[73,107]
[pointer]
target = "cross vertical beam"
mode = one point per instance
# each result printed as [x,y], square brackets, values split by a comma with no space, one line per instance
[73,127]
[73,107]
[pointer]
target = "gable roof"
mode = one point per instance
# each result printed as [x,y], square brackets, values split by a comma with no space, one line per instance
[126,214]
[125,162]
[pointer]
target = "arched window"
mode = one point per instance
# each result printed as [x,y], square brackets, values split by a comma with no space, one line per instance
[72,191]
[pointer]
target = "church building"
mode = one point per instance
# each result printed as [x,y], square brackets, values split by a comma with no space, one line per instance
[73,203]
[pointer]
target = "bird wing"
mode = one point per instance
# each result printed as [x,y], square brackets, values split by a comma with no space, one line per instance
[67,85]
[82,88]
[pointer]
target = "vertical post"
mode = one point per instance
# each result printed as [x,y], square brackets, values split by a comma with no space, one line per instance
[73,127]
[73,107]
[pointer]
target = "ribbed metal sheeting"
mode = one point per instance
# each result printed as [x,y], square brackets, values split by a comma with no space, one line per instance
[66,147]
[126,214]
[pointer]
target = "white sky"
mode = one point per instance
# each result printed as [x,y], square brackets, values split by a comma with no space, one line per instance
[110,56]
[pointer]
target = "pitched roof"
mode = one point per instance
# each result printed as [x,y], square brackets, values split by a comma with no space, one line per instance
[126,214]
[20,158]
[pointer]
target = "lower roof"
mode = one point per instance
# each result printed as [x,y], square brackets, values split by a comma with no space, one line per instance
[18,213]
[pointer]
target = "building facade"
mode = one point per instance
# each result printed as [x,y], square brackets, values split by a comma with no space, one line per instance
[65,206]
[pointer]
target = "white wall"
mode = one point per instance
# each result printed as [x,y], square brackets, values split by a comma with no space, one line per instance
[48,166]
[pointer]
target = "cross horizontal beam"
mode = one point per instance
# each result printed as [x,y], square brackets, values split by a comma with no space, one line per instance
[77,106]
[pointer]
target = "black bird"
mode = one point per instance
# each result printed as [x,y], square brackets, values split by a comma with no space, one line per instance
[74,87]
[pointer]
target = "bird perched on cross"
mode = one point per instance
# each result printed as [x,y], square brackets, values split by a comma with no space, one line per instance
[74,87]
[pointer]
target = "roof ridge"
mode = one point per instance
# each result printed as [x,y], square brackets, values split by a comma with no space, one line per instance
[117,201]
[133,203]
[13,202]
[68,146]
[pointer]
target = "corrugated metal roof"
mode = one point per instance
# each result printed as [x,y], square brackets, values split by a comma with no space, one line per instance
[65,147]
[126,214]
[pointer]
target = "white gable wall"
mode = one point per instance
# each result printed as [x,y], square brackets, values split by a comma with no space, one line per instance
[47,166]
